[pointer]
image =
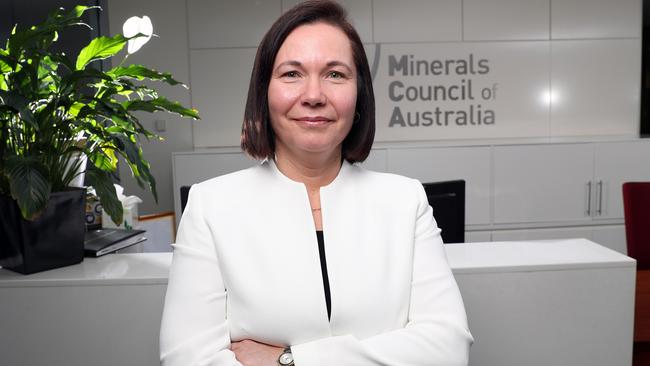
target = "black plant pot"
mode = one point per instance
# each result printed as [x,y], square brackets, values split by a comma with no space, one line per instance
[55,239]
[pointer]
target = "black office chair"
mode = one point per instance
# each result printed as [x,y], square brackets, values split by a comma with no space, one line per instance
[448,202]
[185,192]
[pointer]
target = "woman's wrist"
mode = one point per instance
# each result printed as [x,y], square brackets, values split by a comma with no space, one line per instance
[286,358]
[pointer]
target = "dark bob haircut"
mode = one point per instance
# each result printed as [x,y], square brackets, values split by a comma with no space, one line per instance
[257,138]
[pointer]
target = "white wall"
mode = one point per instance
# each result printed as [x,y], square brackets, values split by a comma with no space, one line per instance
[556,68]
[563,68]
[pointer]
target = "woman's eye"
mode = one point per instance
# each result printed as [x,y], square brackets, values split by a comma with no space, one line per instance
[291,74]
[335,75]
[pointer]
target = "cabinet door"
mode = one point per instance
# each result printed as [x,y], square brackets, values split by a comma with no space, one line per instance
[542,183]
[478,236]
[611,236]
[615,164]
[439,164]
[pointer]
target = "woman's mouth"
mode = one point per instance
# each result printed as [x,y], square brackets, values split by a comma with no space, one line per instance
[313,121]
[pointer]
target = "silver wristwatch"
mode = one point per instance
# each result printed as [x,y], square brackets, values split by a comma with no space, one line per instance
[286,358]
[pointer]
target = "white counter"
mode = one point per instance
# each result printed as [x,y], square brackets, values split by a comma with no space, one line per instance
[565,302]
[529,303]
[543,255]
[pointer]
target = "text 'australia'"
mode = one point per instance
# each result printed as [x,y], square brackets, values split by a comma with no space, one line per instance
[474,115]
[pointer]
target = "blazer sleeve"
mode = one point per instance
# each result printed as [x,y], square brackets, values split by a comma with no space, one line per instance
[436,332]
[194,329]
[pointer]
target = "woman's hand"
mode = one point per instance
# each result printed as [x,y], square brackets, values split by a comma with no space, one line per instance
[251,353]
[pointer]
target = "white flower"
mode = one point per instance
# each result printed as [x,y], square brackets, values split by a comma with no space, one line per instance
[133,26]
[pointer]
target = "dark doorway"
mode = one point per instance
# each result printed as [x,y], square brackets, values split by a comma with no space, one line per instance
[645,72]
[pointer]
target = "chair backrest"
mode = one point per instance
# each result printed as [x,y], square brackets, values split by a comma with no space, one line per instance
[636,204]
[448,202]
[185,192]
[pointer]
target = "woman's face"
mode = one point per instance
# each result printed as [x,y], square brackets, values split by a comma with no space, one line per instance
[313,90]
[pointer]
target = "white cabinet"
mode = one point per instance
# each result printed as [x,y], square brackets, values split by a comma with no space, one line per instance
[569,184]
[542,183]
[435,164]
[103,311]
[478,236]
[610,236]
[615,164]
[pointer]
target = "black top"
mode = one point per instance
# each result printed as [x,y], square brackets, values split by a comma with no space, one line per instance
[323,267]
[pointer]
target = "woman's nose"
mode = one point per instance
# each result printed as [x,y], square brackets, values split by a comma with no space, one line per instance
[313,95]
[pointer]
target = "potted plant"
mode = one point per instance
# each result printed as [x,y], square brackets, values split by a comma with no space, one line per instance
[57,115]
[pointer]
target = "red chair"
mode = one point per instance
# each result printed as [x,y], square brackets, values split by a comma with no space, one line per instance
[636,202]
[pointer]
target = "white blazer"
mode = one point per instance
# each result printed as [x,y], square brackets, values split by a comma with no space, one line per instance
[246,266]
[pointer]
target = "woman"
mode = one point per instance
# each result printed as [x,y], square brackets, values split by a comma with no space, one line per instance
[308,259]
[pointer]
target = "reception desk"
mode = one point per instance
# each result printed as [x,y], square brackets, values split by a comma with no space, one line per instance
[564,302]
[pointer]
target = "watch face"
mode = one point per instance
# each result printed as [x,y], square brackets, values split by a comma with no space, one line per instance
[286,358]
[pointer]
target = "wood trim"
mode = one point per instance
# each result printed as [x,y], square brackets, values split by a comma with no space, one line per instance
[161,215]
[156,215]
[642,307]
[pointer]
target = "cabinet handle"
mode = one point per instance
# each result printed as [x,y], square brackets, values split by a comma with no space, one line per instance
[599,210]
[589,198]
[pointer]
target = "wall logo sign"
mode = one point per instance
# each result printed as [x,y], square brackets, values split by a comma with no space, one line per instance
[467,72]
[443,90]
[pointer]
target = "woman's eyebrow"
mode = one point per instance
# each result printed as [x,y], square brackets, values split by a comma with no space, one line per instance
[338,63]
[289,63]
[298,63]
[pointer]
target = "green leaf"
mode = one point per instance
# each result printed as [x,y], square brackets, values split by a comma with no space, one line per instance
[20,104]
[75,108]
[128,147]
[176,107]
[80,9]
[20,40]
[141,72]
[61,18]
[7,63]
[136,162]
[161,104]
[47,67]
[47,114]
[90,74]
[110,109]
[30,187]
[99,49]
[103,184]
[61,59]
[86,111]
[104,158]
[140,105]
